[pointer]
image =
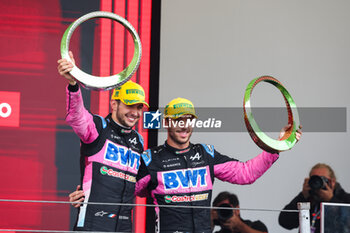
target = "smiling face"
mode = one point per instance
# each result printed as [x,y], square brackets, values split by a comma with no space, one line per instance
[126,115]
[179,132]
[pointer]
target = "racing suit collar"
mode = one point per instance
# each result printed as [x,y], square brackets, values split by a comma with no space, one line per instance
[178,151]
[119,128]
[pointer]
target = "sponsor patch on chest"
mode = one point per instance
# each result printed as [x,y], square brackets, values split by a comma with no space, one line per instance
[122,156]
[186,198]
[185,180]
[121,175]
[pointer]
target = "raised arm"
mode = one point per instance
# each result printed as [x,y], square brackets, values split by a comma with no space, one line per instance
[237,172]
[77,116]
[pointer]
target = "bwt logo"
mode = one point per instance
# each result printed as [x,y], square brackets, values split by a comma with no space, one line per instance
[151,120]
[9,108]
[122,155]
[185,178]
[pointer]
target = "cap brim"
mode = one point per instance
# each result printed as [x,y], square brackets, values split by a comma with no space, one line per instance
[144,102]
[136,102]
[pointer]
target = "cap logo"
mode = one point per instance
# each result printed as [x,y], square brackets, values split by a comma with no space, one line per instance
[116,94]
[135,91]
[182,105]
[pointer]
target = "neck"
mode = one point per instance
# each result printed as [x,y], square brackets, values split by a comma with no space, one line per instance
[115,119]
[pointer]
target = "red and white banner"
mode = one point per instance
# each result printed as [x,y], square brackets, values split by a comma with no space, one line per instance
[9,108]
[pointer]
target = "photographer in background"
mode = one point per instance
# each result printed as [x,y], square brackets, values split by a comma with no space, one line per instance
[230,220]
[320,186]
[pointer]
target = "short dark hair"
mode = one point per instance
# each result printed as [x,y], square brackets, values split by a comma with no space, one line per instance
[232,198]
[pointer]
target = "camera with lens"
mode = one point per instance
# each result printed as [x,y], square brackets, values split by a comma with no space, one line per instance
[223,214]
[318,182]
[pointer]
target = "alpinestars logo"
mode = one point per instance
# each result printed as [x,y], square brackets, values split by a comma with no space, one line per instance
[100,214]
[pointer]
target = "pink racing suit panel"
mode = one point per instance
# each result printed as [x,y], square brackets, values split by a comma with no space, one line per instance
[79,118]
[245,172]
[141,187]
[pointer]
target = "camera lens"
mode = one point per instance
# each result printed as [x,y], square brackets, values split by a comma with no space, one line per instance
[316,182]
[225,214]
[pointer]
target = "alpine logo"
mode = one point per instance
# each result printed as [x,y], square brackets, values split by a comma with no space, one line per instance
[196,156]
[133,141]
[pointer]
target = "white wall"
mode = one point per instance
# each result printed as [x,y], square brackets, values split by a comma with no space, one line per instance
[211,49]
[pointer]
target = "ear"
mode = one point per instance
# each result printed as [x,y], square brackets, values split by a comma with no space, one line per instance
[237,212]
[114,104]
[332,183]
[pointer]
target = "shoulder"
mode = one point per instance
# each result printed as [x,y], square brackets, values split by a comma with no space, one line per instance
[156,149]
[256,225]
[139,136]
[341,194]
[147,155]
[100,121]
[208,148]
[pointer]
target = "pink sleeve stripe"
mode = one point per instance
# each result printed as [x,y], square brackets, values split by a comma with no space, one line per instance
[79,118]
[245,172]
[141,187]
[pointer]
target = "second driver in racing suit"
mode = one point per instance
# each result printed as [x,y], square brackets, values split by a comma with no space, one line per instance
[182,173]
[110,154]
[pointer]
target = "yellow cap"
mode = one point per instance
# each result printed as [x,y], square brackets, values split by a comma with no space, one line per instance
[129,93]
[179,107]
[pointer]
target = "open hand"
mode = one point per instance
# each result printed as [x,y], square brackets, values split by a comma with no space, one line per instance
[77,196]
[65,66]
[287,128]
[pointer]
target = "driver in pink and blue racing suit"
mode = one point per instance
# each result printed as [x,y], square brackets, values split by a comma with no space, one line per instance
[110,154]
[179,173]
